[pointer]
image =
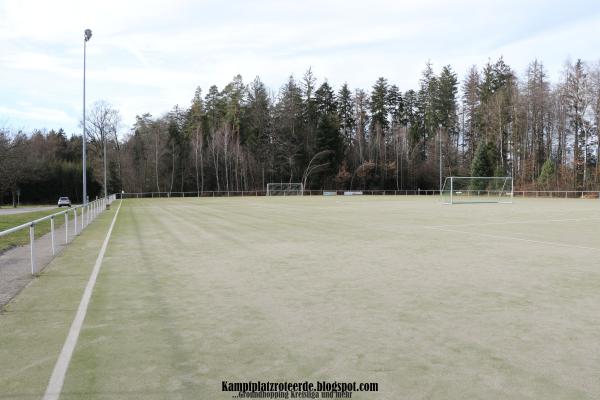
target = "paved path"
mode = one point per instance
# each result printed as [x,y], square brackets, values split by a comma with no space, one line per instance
[15,264]
[11,210]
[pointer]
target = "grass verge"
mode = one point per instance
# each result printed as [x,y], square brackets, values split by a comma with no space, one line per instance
[21,237]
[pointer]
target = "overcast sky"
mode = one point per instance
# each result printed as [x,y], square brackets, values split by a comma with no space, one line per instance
[147,56]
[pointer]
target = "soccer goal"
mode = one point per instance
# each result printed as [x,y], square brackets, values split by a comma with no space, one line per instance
[285,189]
[477,189]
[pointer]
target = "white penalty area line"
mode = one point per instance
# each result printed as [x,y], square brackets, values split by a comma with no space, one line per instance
[572,246]
[62,364]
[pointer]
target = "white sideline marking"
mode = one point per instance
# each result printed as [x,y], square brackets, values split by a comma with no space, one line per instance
[62,364]
[573,246]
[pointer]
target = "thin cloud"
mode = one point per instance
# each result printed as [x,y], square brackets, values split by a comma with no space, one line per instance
[147,56]
[39,114]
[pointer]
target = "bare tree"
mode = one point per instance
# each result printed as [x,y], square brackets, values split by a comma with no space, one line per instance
[577,102]
[198,151]
[13,163]
[594,95]
[102,122]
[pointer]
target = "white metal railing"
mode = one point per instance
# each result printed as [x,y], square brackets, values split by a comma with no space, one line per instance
[85,213]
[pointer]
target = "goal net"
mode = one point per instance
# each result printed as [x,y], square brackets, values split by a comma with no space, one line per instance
[477,189]
[284,189]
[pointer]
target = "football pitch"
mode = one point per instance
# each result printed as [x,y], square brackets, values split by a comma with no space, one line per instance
[429,301]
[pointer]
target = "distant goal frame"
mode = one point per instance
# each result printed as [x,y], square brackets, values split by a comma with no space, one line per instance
[285,189]
[497,189]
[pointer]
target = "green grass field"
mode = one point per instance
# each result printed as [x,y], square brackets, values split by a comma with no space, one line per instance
[481,301]
[22,237]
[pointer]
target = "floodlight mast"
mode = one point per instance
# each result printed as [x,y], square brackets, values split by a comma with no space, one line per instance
[87,35]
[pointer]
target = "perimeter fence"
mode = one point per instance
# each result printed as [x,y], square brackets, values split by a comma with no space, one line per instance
[566,194]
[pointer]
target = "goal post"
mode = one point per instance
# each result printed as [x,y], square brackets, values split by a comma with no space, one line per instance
[477,189]
[285,189]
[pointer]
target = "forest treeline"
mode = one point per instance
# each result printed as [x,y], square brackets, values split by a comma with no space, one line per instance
[243,136]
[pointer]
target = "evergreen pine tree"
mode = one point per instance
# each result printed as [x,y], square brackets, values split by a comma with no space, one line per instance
[396,105]
[289,132]
[234,97]
[346,114]
[547,175]
[379,105]
[471,103]
[481,166]
[325,100]
[328,129]
[215,109]
[445,100]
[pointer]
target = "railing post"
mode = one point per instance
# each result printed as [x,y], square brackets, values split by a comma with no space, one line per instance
[52,234]
[32,247]
[67,227]
[75,222]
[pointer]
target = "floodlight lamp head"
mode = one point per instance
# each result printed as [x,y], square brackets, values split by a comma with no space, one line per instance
[87,34]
